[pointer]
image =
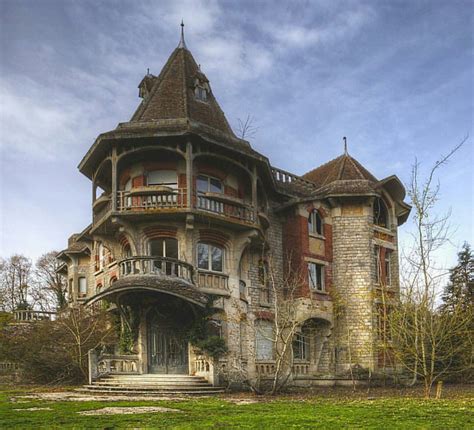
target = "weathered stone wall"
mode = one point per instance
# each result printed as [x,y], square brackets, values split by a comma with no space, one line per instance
[353,282]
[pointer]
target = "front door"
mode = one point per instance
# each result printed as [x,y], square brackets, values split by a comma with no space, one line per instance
[167,348]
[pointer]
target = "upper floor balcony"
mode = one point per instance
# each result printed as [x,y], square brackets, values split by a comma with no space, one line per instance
[160,274]
[156,200]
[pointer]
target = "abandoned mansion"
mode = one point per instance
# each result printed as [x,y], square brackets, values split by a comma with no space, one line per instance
[191,227]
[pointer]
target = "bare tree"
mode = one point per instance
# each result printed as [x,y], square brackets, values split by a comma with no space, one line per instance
[422,334]
[52,285]
[15,282]
[246,129]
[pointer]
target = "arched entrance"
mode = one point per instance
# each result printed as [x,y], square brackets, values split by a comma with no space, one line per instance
[167,328]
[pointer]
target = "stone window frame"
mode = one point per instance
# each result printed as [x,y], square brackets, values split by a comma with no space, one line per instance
[323,265]
[81,288]
[313,224]
[209,265]
[381,204]
[265,341]
[201,88]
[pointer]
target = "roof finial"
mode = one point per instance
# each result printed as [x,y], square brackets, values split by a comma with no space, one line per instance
[182,44]
[345,145]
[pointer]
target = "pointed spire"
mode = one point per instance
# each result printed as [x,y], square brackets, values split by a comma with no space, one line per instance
[182,43]
[345,145]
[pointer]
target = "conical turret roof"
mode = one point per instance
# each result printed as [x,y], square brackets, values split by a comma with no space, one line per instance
[172,95]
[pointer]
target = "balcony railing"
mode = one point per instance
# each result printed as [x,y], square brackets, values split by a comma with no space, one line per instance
[144,199]
[237,211]
[31,316]
[156,266]
[101,211]
[212,280]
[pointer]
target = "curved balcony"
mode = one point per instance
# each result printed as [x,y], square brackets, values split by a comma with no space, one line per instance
[156,266]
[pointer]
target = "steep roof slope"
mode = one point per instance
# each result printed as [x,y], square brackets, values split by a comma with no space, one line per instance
[172,95]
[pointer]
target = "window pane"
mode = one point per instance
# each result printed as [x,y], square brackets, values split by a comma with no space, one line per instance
[319,224]
[216,186]
[202,184]
[163,177]
[203,256]
[82,286]
[156,247]
[311,223]
[312,275]
[171,248]
[217,255]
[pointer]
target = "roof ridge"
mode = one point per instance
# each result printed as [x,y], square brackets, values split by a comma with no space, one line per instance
[185,86]
[341,168]
[321,165]
[356,167]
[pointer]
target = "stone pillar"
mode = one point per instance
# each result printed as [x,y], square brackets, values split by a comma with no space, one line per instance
[114,179]
[254,192]
[189,174]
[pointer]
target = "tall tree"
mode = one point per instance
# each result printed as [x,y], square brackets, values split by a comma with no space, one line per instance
[15,282]
[52,285]
[460,289]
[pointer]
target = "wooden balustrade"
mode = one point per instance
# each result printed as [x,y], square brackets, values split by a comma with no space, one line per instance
[235,210]
[146,265]
[212,280]
[147,199]
[31,316]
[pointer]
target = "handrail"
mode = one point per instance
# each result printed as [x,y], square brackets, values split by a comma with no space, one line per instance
[240,211]
[153,265]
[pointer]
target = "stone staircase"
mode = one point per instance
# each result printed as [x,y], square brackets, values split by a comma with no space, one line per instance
[151,384]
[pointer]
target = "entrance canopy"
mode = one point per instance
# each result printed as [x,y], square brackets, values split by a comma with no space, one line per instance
[158,284]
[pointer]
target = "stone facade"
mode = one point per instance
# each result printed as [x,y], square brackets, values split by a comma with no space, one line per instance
[192,218]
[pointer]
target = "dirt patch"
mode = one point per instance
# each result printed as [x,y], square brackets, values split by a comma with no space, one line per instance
[33,409]
[68,396]
[129,410]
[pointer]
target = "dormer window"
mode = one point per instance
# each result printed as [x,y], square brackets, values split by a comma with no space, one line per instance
[201,90]
[201,94]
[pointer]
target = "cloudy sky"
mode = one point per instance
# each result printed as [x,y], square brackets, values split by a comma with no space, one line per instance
[395,77]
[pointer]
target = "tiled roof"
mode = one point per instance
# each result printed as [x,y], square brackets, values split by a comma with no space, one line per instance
[172,95]
[342,168]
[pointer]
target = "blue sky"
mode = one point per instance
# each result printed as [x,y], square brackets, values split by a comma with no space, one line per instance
[395,77]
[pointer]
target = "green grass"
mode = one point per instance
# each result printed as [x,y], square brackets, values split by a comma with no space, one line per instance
[218,413]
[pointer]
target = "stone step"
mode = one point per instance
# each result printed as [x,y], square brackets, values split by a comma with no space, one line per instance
[152,378]
[150,387]
[151,383]
[207,392]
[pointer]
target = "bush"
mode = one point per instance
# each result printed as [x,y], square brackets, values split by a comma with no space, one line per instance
[53,352]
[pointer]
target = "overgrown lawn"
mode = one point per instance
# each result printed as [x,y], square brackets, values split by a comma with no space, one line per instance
[222,413]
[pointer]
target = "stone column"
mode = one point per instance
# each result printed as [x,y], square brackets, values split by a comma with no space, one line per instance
[114,179]
[189,175]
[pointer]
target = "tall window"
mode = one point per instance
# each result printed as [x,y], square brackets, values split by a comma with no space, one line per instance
[264,281]
[315,223]
[388,277]
[316,276]
[380,213]
[101,253]
[264,340]
[378,267]
[210,257]
[82,286]
[164,248]
[301,347]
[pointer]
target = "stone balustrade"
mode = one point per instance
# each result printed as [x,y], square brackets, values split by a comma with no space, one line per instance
[146,265]
[32,315]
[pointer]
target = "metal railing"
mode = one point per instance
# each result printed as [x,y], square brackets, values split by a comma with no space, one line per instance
[149,265]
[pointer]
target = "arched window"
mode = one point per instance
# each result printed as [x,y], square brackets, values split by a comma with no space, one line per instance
[315,223]
[380,213]
[210,257]
[264,340]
